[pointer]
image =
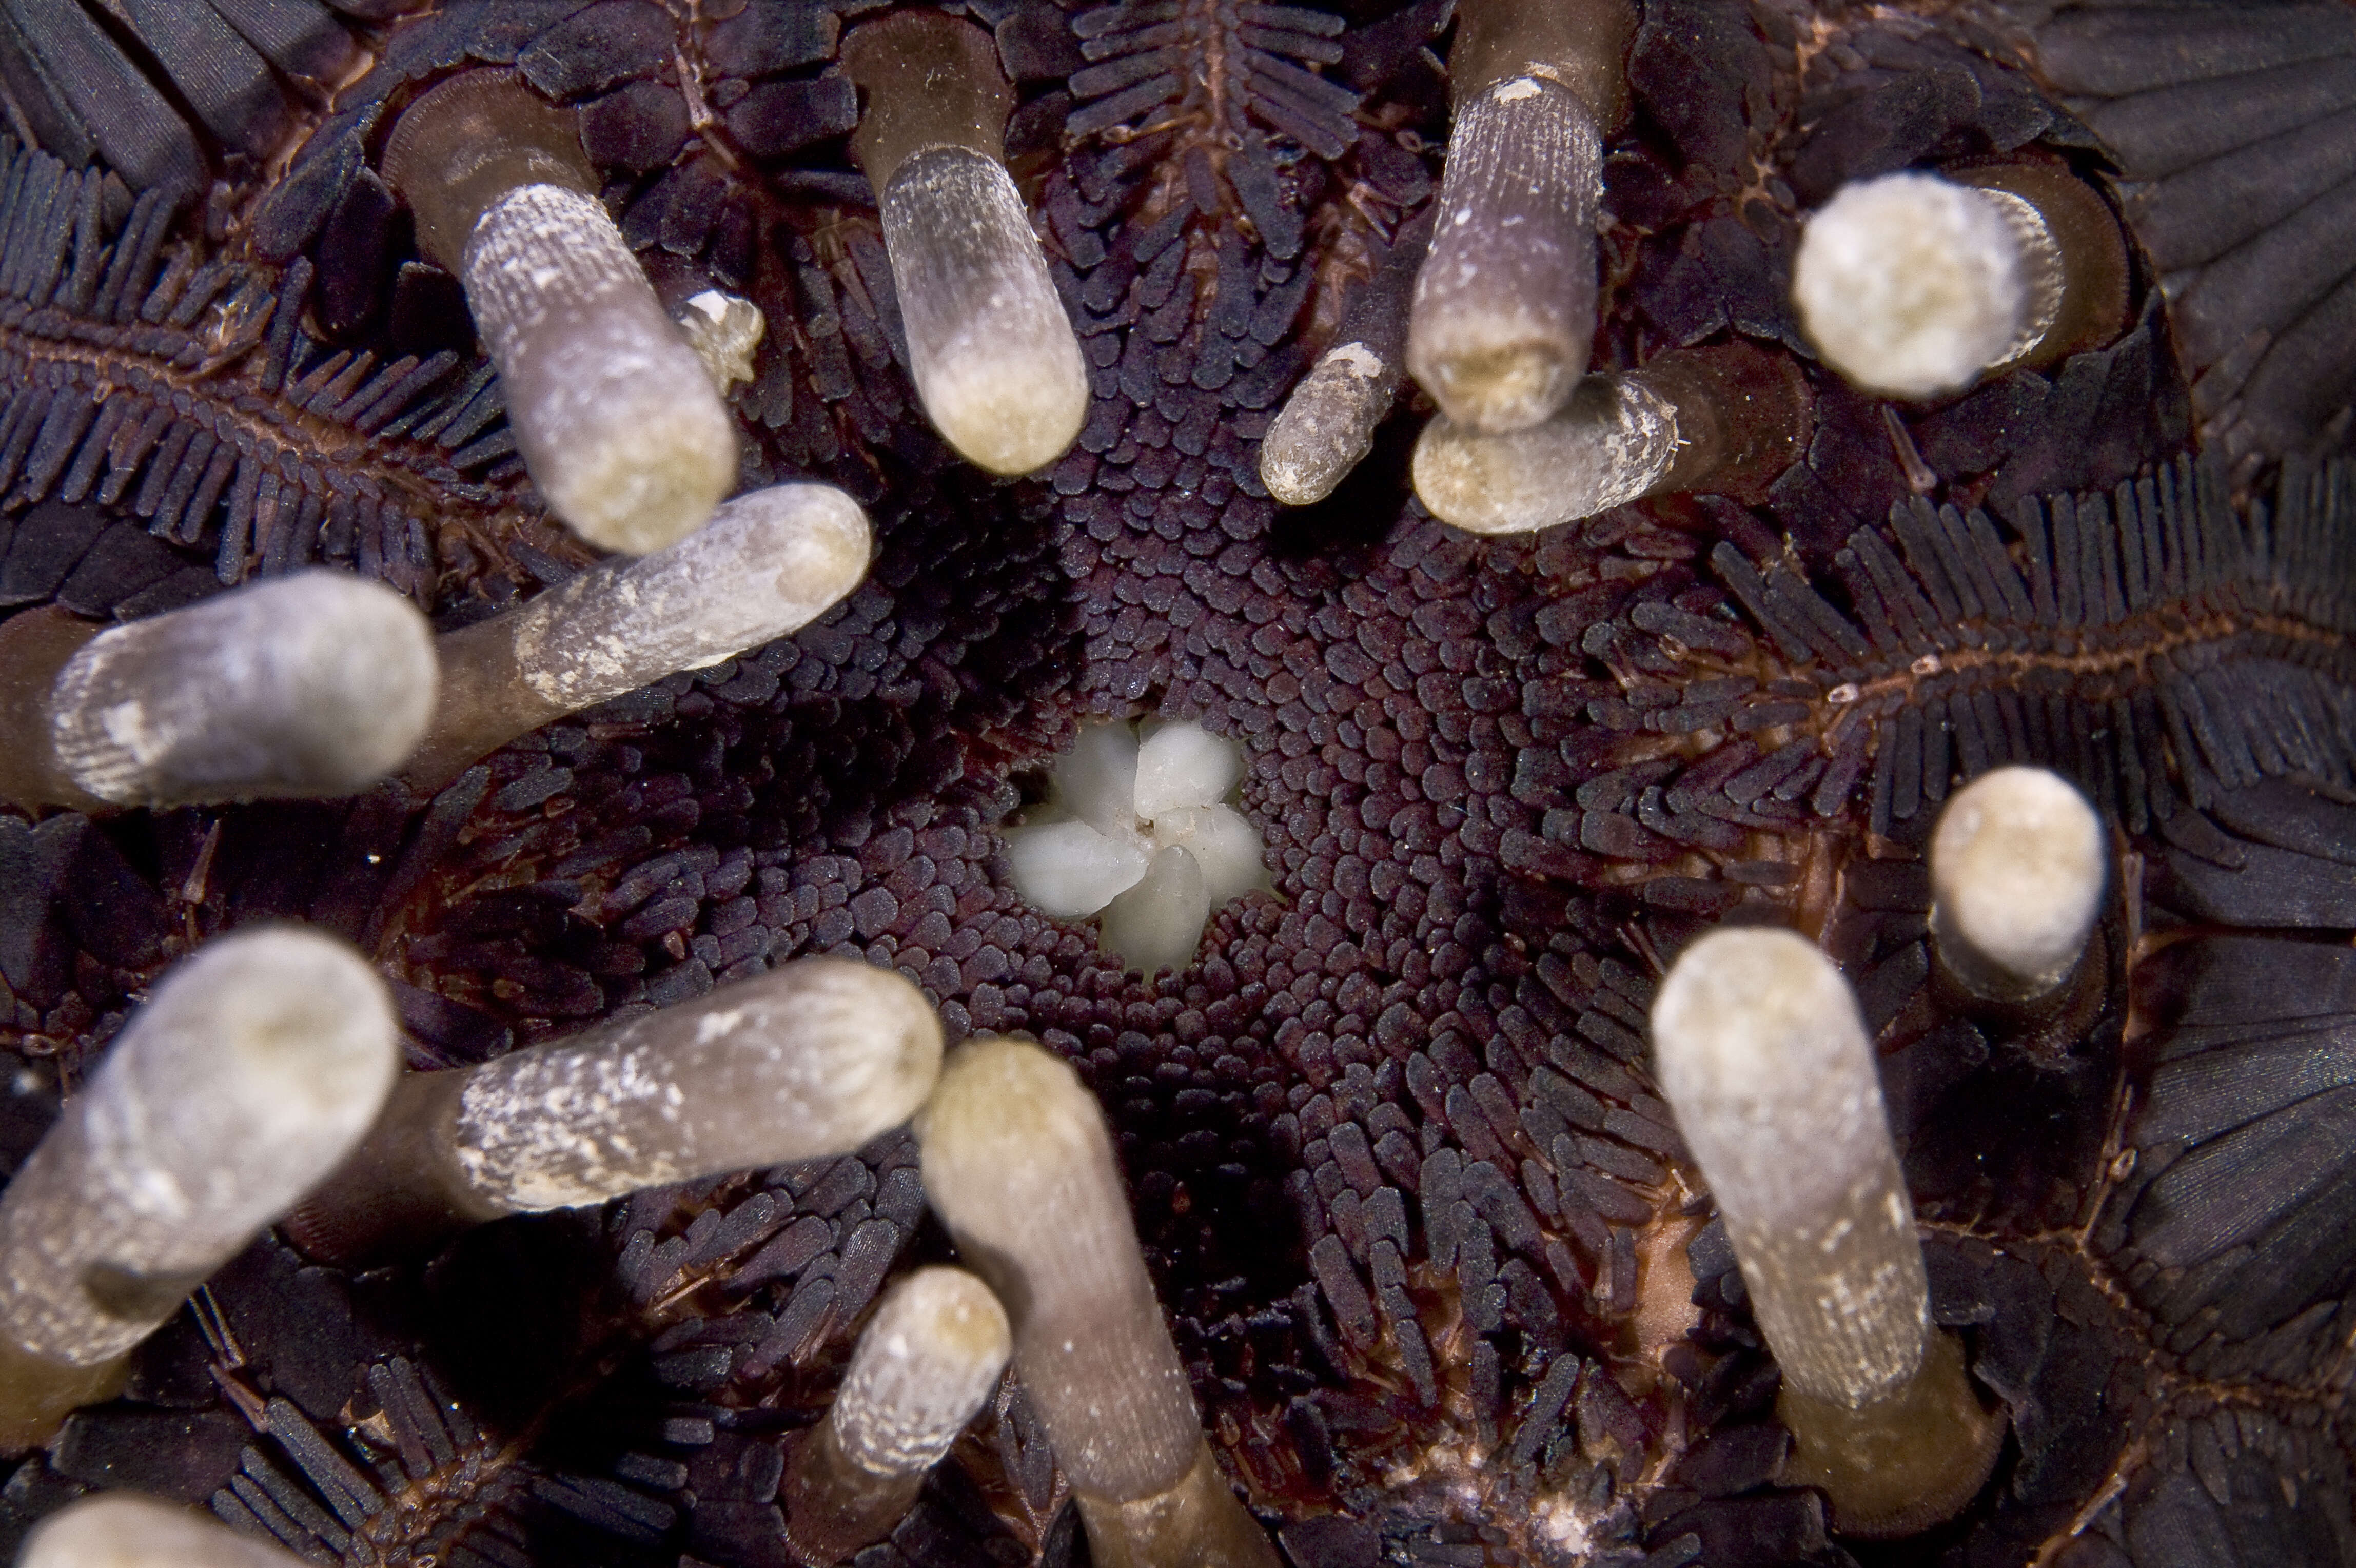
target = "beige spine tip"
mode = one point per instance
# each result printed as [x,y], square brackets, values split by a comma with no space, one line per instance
[614,412]
[1914,287]
[1613,442]
[1327,424]
[254,1069]
[317,685]
[1504,313]
[1018,1164]
[810,1059]
[995,357]
[2017,865]
[1766,1062]
[120,1529]
[924,1366]
[768,565]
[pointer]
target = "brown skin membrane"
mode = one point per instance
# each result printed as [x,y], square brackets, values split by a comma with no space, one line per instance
[1335,1122]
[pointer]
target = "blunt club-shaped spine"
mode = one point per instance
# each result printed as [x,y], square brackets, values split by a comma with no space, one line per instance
[614,412]
[1018,1164]
[769,564]
[1765,1063]
[1727,419]
[994,355]
[254,1069]
[317,685]
[1327,423]
[1914,285]
[925,1365]
[122,1529]
[810,1059]
[2017,874]
[1504,314]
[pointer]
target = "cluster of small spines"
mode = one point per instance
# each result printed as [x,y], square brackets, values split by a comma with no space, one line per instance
[990,348]
[167,426]
[612,411]
[1139,53]
[810,1059]
[1765,1061]
[1914,286]
[255,1068]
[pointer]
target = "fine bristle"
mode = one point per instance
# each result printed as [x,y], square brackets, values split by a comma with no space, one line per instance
[1505,307]
[1912,285]
[312,685]
[991,349]
[1766,1062]
[252,1071]
[2017,865]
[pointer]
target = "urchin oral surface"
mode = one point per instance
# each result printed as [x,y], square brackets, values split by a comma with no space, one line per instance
[1912,285]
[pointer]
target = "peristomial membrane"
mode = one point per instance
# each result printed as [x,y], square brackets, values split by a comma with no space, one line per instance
[253,1069]
[769,564]
[1019,1165]
[313,685]
[1914,285]
[812,1058]
[122,1530]
[1725,419]
[993,353]
[2018,864]
[614,414]
[925,1365]
[1764,1062]
[1503,316]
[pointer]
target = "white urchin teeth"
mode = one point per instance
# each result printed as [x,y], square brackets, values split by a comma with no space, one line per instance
[1143,834]
[810,1059]
[768,565]
[2018,867]
[254,1069]
[613,412]
[1018,1163]
[313,685]
[996,363]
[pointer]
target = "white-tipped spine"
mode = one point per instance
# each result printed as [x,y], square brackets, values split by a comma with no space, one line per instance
[810,1059]
[1612,443]
[317,685]
[120,1529]
[995,357]
[615,414]
[1504,314]
[2018,865]
[924,1366]
[769,563]
[254,1069]
[1766,1062]
[1327,423]
[1914,286]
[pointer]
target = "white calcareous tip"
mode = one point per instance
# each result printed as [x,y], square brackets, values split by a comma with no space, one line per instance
[994,355]
[1912,285]
[927,1360]
[317,685]
[1609,446]
[122,1529]
[2017,865]
[724,331]
[1327,423]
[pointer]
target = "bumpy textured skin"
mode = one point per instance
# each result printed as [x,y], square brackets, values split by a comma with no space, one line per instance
[1425,1237]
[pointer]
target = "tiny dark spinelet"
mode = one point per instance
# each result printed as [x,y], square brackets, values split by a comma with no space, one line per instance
[1591,617]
